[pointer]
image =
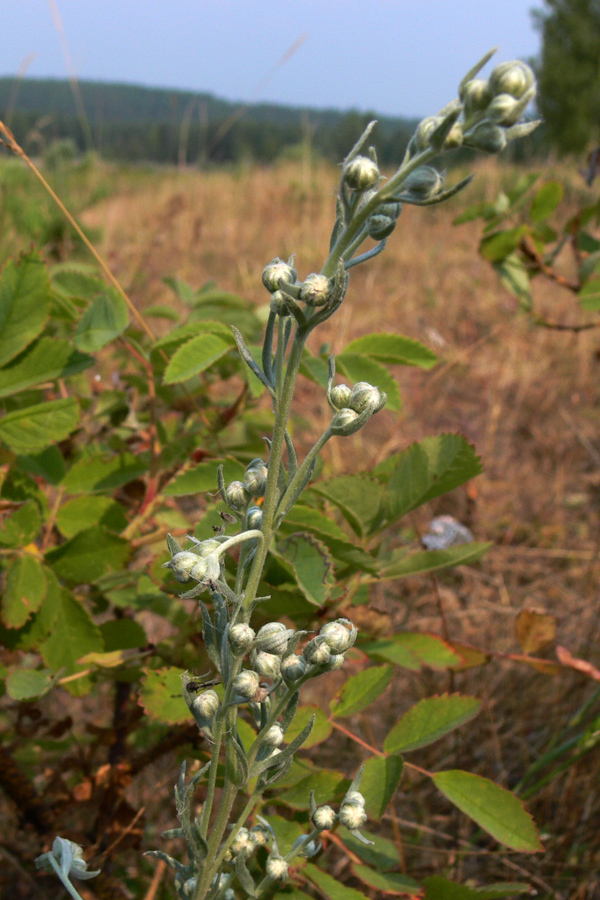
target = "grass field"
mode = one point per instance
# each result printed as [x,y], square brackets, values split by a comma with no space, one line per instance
[526,397]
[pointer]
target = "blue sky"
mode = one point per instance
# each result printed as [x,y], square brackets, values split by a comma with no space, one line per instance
[394,57]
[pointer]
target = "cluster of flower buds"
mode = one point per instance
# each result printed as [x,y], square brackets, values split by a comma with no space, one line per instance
[201,564]
[276,273]
[325,652]
[383,221]
[353,406]
[352,812]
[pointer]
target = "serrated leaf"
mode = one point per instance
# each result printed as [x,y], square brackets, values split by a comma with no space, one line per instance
[35,427]
[196,355]
[546,200]
[89,555]
[400,563]
[357,497]
[413,650]
[381,777]
[428,720]
[73,635]
[77,280]
[101,473]
[24,590]
[426,470]
[48,464]
[46,360]
[331,535]
[322,727]
[361,690]
[311,564]
[326,783]
[22,527]
[84,512]
[360,367]
[25,684]
[24,304]
[331,887]
[494,808]
[439,888]
[201,478]
[393,349]
[103,320]
[390,883]
[161,697]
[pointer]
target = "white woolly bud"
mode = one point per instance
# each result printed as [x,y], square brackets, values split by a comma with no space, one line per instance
[187,566]
[255,478]
[259,835]
[274,637]
[268,665]
[344,421]
[241,637]
[292,668]
[339,635]
[361,173]
[354,797]
[241,842]
[364,396]
[274,736]
[514,78]
[475,95]
[236,496]
[206,704]
[315,290]
[339,396]
[323,818]
[277,271]
[335,662]
[277,868]
[424,130]
[352,815]
[504,110]
[254,517]
[246,684]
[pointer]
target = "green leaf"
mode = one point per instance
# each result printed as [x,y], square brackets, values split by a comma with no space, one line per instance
[195,481]
[100,473]
[381,854]
[332,535]
[103,320]
[24,304]
[428,720]
[494,808]
[589,295]
[84,512]
[34,427]
[391,883]
[122,634]
[89,555]
[357,497]
[161,697]
[24,590]
[393,349]
[25,684]
[514,275]
[46,360]
[77,280]
[500,244]
[48,464]
[361,690]
[286,832]
[359,367]
[326,783]
[331,887]
[322,727]
[439,888]
[546,200]
[22,527]
[73,635]
[381,777]
[428,469]
[310,563]
[399,563]
[413,650]
[195,356]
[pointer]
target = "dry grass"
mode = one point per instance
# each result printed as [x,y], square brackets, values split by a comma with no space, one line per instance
[526,397]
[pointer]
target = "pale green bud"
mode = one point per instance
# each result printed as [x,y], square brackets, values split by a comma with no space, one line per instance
[486,136]
[241,637]
[343,422]
[455,137]
[259,835]
[424,131]
[206,705]
[424,183]
[187,566]
[475,95]
[336,661]
[254,517]
[317,651]
[361,173]
[236,496]
[255,478]
[315,290]
[278,304]
[354,797]
[242,842]
[277,868]
[339,396]
[365,396]
[514,78]
[274,736]
[266,664]
[380,227]
[339,635]
[274,637]
[323,818]
[292,668]
[277,271]
[246,684]
[504,110]
[352,815]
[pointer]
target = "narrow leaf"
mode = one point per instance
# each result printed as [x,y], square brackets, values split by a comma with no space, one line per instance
[46,360]
[400,564]
[412,650]
[195,356]
[393,349]
[439,888]
[428,720]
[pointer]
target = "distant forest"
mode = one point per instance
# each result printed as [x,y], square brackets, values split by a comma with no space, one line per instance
[130,123]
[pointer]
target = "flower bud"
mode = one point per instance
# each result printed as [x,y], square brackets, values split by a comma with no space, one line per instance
[277,868]
[246,684]
[423,132]
[380,227]
[339,396]
[323,818]
[187,566]
[206,705]
[266,664]
[254,517]
[259,835]
[486,136]
[278,304]
[277,271]
[274,637]
[354,797]
[514,78]
[236,496]
[352,815]
[455,137]
[315,290]
[475,95]
[335,662]
[317,651]
[339,635]
[424,183]
[365,396]
[241,637]
[361,173]
[292,668]
[241,842]
[343,421]
[274,736]
[206,548]
[255,478]
[504,110]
